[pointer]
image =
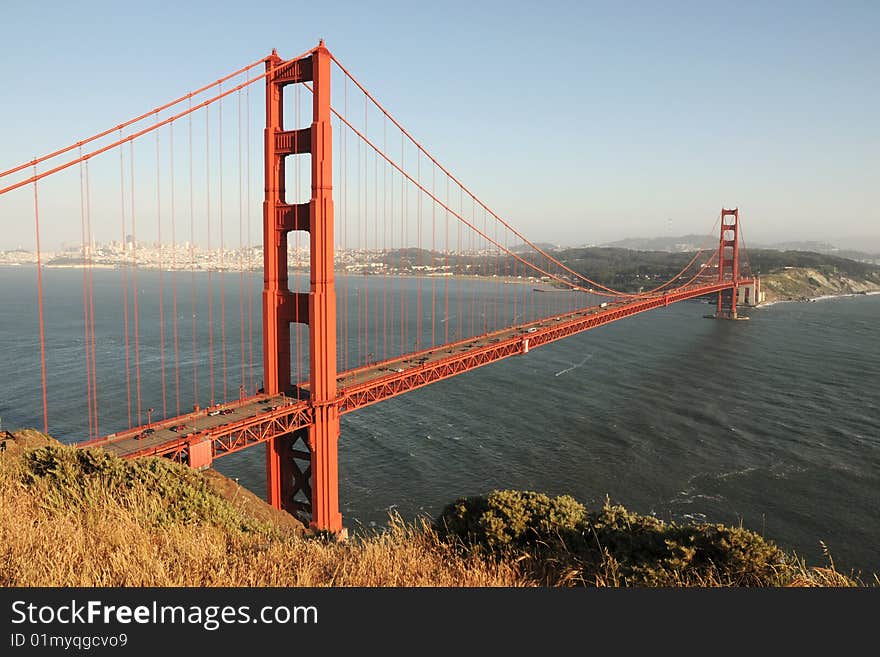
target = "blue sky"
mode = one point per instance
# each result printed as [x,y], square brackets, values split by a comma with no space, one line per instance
[579,122]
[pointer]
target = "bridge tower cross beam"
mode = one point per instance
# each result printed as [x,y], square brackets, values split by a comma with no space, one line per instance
[728,259]
[281,307]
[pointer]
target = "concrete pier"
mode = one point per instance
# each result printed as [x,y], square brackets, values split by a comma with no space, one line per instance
[750,294]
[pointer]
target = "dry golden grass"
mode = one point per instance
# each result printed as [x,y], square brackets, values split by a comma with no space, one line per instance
[115,540]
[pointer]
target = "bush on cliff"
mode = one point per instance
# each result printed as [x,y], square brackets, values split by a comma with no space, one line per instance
[557,538]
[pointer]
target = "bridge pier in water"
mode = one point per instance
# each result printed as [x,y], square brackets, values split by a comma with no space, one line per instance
[312,489]
[750,293]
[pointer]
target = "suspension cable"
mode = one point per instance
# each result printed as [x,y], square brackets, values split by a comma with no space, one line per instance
[125,124]
[122,211]
[140,133]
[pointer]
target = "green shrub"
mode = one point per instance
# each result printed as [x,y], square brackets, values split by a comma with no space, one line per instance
[557,538]
[511,519]
[651,552]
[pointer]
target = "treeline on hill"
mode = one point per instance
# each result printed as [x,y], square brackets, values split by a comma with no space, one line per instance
[623,269]
[768,261]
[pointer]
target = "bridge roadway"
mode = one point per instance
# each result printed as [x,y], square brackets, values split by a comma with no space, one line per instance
[236,425]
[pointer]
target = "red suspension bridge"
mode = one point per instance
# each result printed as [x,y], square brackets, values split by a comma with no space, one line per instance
[382,273]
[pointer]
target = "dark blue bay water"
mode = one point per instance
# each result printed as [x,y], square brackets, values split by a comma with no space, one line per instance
[772,423]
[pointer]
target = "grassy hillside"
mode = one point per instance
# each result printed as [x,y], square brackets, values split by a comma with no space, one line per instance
[632,270]
[799,283]
[84,518]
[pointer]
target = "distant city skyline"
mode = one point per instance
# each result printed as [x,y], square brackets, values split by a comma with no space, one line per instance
[579,123]
[690,242]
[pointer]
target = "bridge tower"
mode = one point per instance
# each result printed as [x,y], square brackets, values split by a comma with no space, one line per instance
[728,259]
[314,487]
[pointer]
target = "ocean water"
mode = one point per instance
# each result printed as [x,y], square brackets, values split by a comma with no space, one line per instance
[773,423]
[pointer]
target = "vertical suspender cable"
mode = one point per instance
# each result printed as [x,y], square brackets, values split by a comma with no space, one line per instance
[134,267]
[297,327]
[460,335]
[250,251]
[345,214]
[356,234]
[474,279]
[376,249]
[514,291]
[446,270]
[161,274]
[241,319]
[419,255]
[385,272]
[192,267]
[91,301]
[390,259]
[506,278]
[403,227]
[125,282]
[40,307]
[433,257]
[174,271]
[85,277]
[210,256]
[222,243]
[525,297]
[355,244]
[498,282]
[366,186]
[486,266]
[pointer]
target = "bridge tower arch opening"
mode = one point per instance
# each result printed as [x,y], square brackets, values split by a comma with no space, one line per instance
[301,467]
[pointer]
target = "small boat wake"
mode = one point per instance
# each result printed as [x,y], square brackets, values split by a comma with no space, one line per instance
[574,367]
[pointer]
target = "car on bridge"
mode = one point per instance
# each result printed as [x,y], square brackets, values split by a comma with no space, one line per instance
[143,434]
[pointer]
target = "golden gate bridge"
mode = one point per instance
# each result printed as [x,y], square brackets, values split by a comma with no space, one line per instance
[355,200]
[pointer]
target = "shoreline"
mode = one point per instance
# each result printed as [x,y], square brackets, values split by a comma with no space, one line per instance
[339,274]
[823,297]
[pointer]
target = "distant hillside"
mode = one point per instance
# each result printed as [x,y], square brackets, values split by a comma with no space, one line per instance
[766,261]
[693,242]
[631,271]
[671,244]
[625,269]
[826,249]
[544,246]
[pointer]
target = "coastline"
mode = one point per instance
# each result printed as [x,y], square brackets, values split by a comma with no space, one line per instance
[824,297]
[809,284]
[522,280]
